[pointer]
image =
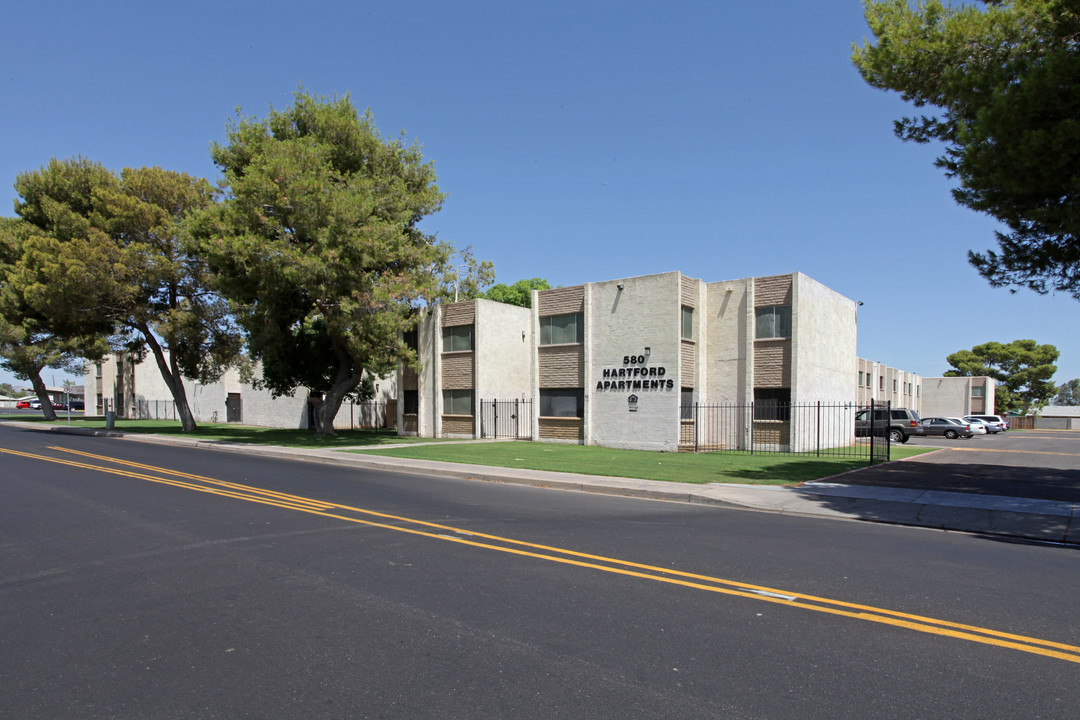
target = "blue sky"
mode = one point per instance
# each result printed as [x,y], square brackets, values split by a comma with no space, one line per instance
[577,141]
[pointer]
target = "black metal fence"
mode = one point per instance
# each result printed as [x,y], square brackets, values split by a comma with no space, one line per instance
[506,419]
[770,427]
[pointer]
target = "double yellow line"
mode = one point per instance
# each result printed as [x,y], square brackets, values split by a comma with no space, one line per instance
[199,483]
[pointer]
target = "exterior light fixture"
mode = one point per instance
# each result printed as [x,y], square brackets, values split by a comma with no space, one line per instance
[621,286]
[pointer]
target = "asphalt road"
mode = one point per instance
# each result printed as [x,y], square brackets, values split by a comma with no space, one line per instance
[307,591]
[1043,465]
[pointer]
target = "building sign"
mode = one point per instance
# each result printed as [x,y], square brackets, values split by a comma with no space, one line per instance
[634,375]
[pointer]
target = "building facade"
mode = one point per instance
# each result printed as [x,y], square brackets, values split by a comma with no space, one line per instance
[617,363]
[136,390]
[958,396]
[880,383]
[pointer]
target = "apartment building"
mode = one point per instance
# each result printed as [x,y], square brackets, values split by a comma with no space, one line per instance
[614,363]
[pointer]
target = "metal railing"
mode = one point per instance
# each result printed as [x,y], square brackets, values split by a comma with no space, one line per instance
[506,419]
[820,429]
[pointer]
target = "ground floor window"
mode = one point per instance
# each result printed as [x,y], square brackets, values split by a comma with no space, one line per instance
[457,402]
[772,404]
[410,402]
[686,400]
[562,402]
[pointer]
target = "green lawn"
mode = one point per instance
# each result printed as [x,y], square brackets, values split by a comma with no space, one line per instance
[231,432]
[673,467]
[588,460]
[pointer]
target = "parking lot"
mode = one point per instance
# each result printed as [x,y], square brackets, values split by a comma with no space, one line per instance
[1039,464]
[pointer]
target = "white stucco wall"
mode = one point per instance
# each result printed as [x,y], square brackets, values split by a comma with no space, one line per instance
[729,342]
[621,324]
[152,398]
[823,363]
[504,351]
[823,356]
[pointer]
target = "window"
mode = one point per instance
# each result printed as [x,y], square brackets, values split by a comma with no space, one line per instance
[978,391]
[687,323]
[457,402]
[862,378]
[561,329]
[411,402]
[411,338]
[773,322]
[881,382]
[457,338]
[686,408]
[562,402]
[894,385]
[772,404]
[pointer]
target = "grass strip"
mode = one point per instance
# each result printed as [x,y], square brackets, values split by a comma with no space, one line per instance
[700,468]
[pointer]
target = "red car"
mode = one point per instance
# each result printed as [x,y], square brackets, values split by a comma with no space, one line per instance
[22,405]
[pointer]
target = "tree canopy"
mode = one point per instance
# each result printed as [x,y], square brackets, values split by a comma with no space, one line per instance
[103,257]
[520,293]
[1004,79]
[1068,393]
[1021,368]
[319,246]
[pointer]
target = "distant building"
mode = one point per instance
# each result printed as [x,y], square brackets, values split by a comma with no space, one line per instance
[958,396]
[137,391]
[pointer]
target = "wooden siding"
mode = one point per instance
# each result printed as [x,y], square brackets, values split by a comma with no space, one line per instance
[772,290]
[562,429]
[562,366]
[461,313]
[457,371]
[561,301]
[772,364]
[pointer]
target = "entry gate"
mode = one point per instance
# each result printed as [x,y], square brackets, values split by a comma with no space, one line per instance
[511,419]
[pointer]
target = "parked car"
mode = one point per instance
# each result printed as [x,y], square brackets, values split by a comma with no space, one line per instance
[977,426]
[994,423]
[951,428]
[22,405]
[35,404]
[901,422]
[77,405]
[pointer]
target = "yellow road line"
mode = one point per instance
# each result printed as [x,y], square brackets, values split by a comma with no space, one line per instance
[895,618]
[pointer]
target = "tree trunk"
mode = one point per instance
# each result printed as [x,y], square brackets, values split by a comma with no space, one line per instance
[170,373]
[346,380]
[42,394]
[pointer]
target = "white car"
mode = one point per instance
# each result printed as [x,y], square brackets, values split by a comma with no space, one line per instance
[994,423]
[977,426]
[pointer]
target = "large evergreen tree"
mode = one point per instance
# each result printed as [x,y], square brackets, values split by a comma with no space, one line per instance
[1003,82]
[318,243]
[1022,369]
[27,344]
[103,257]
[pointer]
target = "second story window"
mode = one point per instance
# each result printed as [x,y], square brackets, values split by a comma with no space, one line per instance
[457,338]
[562,329]
[687,323]
[773,321]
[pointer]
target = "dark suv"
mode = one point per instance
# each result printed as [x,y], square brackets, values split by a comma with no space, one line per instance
[901,422]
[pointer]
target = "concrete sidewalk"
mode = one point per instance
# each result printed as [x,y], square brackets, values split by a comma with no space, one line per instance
[1044,520]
